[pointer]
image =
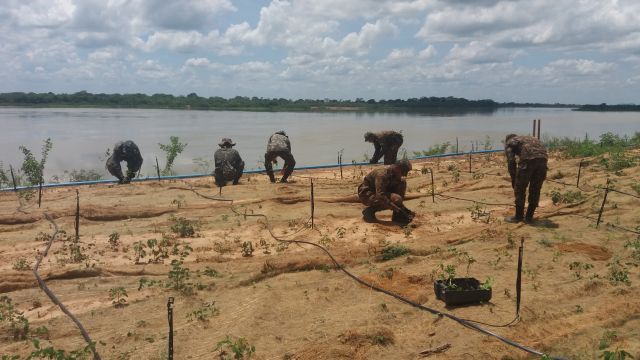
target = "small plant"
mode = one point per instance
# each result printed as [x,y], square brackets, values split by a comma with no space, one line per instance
[447,274]
[567,197]
[172,150]
[325,240]
[577,267]
[618,274]
[114,240]
[18,324]
[340,232]
[634,245]
[247,249]
[203,313]
[118,297]
[234,349]
[579,309]
[487,284]
[184,227]
[477,176]
[477,212]
[139,251]
[179,203]
[607,339]
[618,354]
[21,264]
[545,242]
[211,272]
[394,251]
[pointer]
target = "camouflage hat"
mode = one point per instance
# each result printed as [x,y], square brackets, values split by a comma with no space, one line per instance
[369,136]
[405,166]
[509,137]
[226,141]
[281,132]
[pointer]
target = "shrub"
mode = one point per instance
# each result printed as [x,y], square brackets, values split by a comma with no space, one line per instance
[393,252]
[567,197]
[172,150]
[234,349]
[184,227]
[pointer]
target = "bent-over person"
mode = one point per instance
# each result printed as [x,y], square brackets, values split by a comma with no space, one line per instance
[279,146]
[527,164]
[386,143]
[384,189]
[228,163]
[124,151]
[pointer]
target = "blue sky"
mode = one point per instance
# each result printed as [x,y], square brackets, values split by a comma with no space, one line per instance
[518,50]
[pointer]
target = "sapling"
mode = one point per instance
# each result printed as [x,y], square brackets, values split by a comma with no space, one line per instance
[172,150]
[118,297]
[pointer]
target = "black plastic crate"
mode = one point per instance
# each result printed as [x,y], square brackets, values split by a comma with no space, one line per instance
[467,291]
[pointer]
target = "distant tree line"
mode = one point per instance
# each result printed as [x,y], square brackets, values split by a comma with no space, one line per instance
[193,101]
[605,107]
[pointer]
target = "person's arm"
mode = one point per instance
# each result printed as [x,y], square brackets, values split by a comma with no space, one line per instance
[377,153]
[288,144]
[512,165]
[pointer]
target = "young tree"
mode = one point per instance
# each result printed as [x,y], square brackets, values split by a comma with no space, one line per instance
[171,150]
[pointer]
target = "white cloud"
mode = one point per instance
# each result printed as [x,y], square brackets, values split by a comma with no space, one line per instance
[578,67]
[428,52]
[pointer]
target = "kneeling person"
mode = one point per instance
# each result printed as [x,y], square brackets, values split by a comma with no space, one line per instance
[124,151]
[229,164]
[384,189]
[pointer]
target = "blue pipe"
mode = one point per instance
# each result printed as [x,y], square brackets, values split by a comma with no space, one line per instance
[257,171]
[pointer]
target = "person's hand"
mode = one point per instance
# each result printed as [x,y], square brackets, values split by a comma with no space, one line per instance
[372,162]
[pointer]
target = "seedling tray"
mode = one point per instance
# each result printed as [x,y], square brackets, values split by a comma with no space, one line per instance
[466,291]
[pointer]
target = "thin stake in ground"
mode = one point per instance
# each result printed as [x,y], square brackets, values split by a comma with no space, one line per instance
[604,200]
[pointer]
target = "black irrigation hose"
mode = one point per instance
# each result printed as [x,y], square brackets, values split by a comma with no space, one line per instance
[624,193]
[448,197]
[466,323]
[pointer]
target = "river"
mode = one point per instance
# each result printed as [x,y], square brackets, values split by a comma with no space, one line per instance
[81,136]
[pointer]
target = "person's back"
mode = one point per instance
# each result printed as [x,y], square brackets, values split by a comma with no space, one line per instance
[526,148]
[279,146]
[529,170]
[279,142]
[386,143]
[228,163]
[124,151]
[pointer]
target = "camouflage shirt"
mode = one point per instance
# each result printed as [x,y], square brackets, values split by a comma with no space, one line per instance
[127,151]
[389,137]
[379,181]
[227,155]
[278,142]
[526,148]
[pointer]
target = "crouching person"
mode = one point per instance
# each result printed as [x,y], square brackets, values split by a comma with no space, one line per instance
[229,164]
[384,189]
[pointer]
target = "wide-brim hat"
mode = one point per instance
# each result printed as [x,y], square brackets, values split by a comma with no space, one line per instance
[226,141]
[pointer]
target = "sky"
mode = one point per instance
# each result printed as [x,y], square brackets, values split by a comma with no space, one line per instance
[567,51]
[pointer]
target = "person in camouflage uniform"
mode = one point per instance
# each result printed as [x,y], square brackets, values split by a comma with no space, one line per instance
[386,143]
[384,189]
[124,151]
[528,170]
[228,163]
[279,146]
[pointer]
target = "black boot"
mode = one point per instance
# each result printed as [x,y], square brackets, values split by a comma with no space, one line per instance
[529,217]
[369,215]
[401,217]
[518,217]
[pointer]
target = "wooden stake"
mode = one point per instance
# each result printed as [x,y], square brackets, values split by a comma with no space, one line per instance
[533,133]
[15,188]
[340,163]
[538,129]
[579,171]
[77,215]
[158,169]
[312,205]
[170,319]
[40,194]
[519,277]
[456,145]
[469,162]
[433,190]
[606,192]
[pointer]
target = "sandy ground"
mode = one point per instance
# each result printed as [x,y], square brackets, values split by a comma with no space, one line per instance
[290,303]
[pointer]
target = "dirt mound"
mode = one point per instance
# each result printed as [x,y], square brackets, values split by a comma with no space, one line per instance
[412,287]
[594,252]
[100,213]
[17,219]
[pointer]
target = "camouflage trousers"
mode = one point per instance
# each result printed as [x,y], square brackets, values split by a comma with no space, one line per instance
[115,169]
[531,174]
[391,154]
[231,174]
[287,169]
[381,202]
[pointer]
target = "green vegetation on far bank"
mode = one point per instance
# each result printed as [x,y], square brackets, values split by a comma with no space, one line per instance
[193,101]
[605,107]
